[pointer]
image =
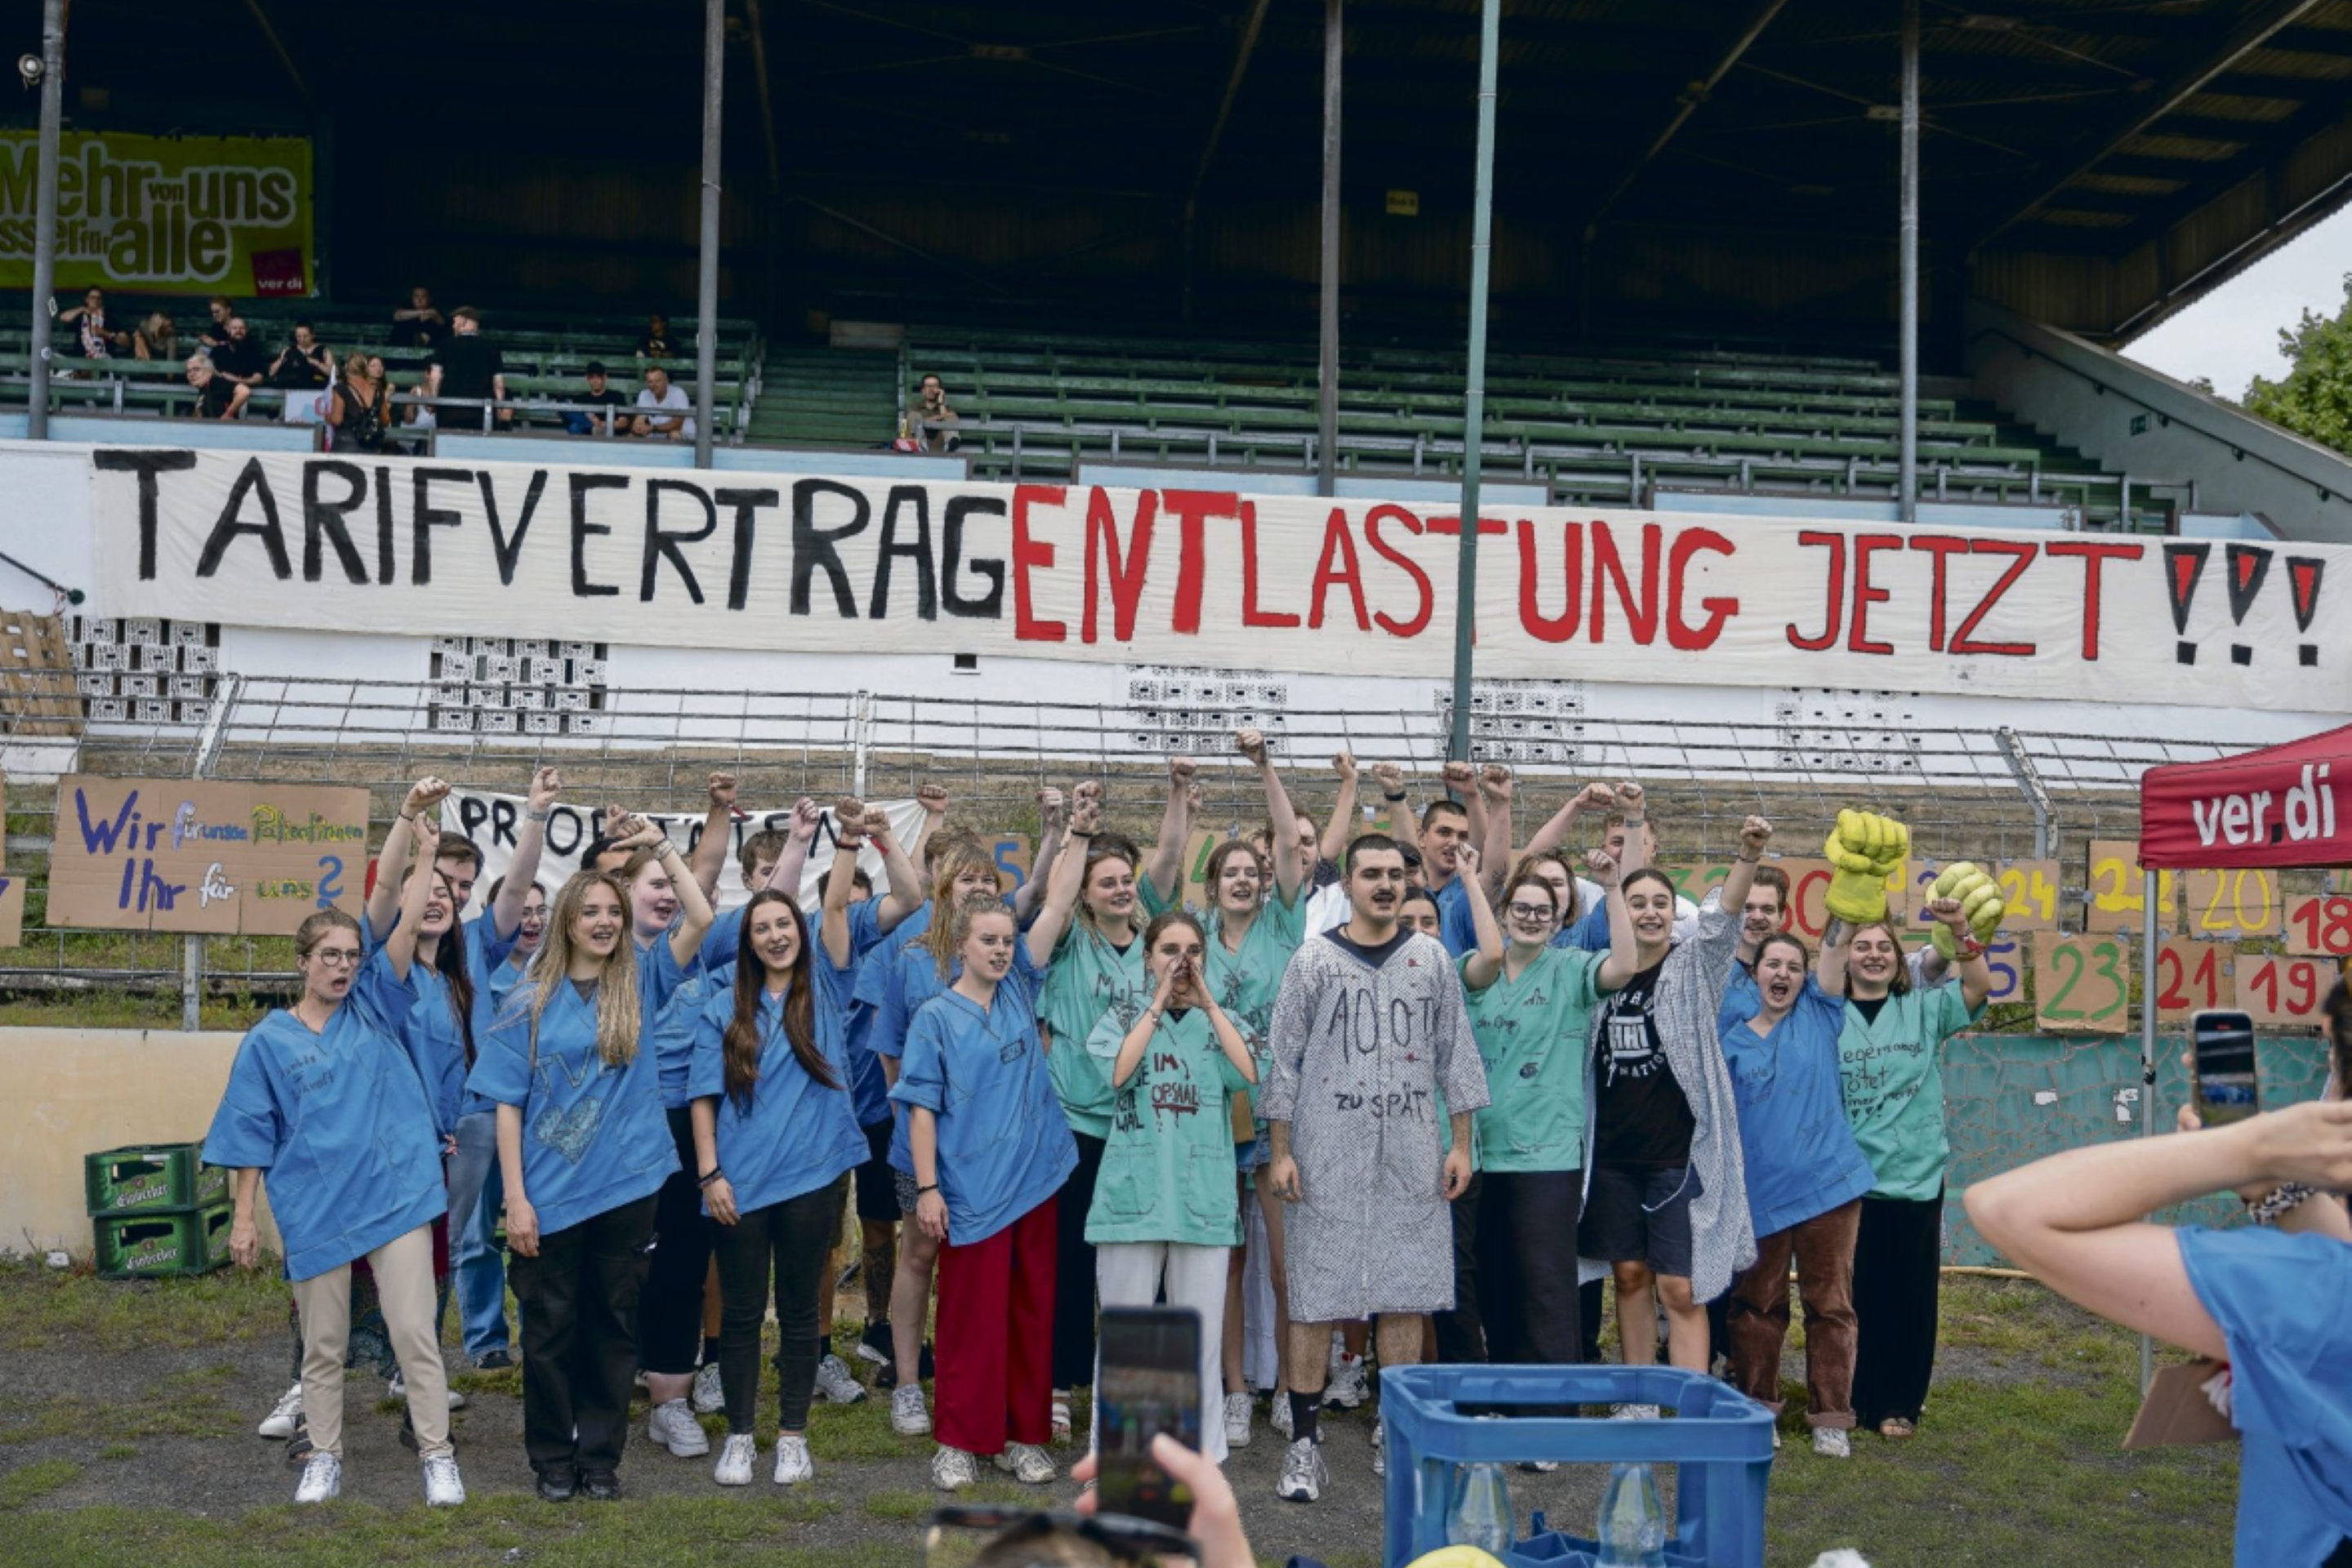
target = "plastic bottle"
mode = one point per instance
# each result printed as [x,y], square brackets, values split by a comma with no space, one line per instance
[1632,1528]
[1482,1515]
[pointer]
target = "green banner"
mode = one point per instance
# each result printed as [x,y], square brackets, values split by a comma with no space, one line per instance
[2011,1098]
[181,215]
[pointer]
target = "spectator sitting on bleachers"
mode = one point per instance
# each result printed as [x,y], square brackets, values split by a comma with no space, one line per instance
[360,407]
[239,356]
[217,398]
[932,408]
[89,320]
[654,342]
[304,362]
[471,367]
[156,339]
[421,416]
[419,324]
[219,309]
[660,393]
[603,396]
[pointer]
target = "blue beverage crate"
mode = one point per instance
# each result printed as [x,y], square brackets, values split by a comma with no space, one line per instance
[1721,1440]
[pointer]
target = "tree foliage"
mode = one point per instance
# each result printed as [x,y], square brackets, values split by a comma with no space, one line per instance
[2314,398]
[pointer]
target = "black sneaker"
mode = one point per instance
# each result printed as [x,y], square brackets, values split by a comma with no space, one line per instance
[557,1486]
[599,1486]
[877,1344]
[493,1361]
[298,1445]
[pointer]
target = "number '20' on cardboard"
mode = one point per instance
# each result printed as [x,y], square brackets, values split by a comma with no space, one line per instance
[172,855]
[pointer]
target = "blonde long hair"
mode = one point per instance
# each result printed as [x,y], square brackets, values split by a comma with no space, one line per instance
[944,940]
[618,1021]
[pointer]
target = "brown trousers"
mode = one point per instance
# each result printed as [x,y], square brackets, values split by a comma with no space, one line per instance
[1823,1249]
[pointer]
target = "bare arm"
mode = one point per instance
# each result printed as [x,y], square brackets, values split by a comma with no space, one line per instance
[245,1229]
[799,833]
[1342,825]
[523,1220]
[1137,1039]
[1288,874]
[1495,791]
[1229,1038]
[717,829]
[1165,870]
[841,879]
[415,892]
[1062,892]
[1462,780]
[1622,962]
[695,913]
[1051,821]
[2074,1220]
[1403,826]
[1754,834]
[1484,964]
[384,898]
[531,839]
[906,889]
[1976,975]
[1837,940]
[1555,830]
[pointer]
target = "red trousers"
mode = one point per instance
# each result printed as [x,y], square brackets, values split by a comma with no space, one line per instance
[994,1337]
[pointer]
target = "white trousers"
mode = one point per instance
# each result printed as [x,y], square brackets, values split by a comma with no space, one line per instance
[1130,1274]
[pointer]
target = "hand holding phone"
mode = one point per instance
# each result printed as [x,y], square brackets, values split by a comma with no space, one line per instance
[1149,1384]
[2225,1087]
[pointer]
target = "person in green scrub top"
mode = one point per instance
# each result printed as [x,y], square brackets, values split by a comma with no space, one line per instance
[1889,1058]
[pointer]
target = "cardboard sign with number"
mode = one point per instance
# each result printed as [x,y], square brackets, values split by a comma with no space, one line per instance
[2190,975]
[2231,905]
[2320,925]
[1010,851]
[2029,889]
[2276,990]
[2081,984]
[170,855]
[1695,882]
[2116,891]
[1809,892]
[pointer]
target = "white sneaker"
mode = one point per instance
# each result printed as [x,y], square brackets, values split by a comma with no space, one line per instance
[1278,1412]
[1060,1412]
[907,1416]
[1025,1463]
[673,1425]
[1350,1385]
[1380,1446]
[444,1488]
[1831,1443]
[323,1479]
[1303,1474]
[952,1469]
[398,1388]
[834,1382]
[1539,1466]
[710,1393]
[1632,1412]
[279,1423]
[793,1464]
[734,1467]
[1776,1437]
[1237,1420]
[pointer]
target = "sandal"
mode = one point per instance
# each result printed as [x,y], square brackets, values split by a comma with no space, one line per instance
[1897,1430]
[1061,1417]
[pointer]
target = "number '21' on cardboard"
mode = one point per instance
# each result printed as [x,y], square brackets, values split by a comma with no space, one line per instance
[173,855]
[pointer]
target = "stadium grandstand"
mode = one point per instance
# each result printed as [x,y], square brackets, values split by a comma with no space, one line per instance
[1103,230]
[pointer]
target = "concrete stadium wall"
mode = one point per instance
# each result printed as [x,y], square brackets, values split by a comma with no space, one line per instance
[78,1091]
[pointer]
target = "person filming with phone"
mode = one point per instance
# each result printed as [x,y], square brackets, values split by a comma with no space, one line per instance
[2273,1300]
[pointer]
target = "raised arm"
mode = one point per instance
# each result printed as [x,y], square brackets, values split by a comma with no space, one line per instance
[384,899]
[1165,870]
[1754,834]
[1462,781]
[1837,943]
[904,886]
[1495,791]
[694,911]
[1068,878]
[841,879]
[1976,975]
[1604,873]
[1624,961]
[1053,819]
[800,832]
[415,892]
[1403,826]
[933,799]
[2076,1220]
[1483,965]
[1281,818]
[1137,1039]
[1555,830]
[717,831]
[1333,845]
[530,838]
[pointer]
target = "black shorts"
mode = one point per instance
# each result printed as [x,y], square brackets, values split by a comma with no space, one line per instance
[878,1191]
[1640,1216]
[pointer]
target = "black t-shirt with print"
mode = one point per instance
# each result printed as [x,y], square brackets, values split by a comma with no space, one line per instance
[1642,1122]
[215,399]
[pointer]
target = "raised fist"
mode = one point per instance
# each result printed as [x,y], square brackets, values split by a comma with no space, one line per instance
[1494,782]
[933,798]
[425,794]
[722,791]
[1344,765]
[1251,743]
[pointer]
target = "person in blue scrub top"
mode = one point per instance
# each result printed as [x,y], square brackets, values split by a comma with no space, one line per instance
[2273,1300]
[323,1104]
[584,1148]
[775,1135]
[992,1147]
[475,1259]
[1806,1178]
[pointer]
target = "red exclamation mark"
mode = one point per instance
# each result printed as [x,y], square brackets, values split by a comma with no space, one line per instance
[2302,573]
[2248,565]
[2184,566]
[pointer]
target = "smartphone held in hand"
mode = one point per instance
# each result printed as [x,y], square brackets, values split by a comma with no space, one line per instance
[1149,1383]
[2221,1040]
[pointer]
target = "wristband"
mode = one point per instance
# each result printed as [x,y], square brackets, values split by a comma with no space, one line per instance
[2279,1202]
[1392,798]
[931,1187]
[539,816]
[1635,821]
[716,1175]
[1746,859]
[1971,948]
[1080,832]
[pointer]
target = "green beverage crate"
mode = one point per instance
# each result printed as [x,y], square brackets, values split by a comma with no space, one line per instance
[163,1246]
[151,1178]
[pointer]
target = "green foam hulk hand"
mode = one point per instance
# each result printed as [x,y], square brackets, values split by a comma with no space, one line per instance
[1980,900]
[1862,850]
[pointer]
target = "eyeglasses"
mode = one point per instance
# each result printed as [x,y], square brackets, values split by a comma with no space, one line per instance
[337,957]
[1530,911]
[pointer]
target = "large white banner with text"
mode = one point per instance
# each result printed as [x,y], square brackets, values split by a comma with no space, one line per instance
[1070,572]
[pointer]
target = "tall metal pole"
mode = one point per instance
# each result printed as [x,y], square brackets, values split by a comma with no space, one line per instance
[1907,345]
[1327,442]
[1473,393]
[45,221]
[2149,943]
[706,347]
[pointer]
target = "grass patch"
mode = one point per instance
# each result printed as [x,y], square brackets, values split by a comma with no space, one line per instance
[47,1309]
[36,1481]
[908,1506]
[183,1404]
[118,1451]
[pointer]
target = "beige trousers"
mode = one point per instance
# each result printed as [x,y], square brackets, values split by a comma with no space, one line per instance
[403,1283]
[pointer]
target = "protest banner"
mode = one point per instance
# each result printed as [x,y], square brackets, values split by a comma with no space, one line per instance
[197,215]
[1081,573]
[172,855]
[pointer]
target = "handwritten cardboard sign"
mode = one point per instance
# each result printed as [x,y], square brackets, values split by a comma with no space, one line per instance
[172,855]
